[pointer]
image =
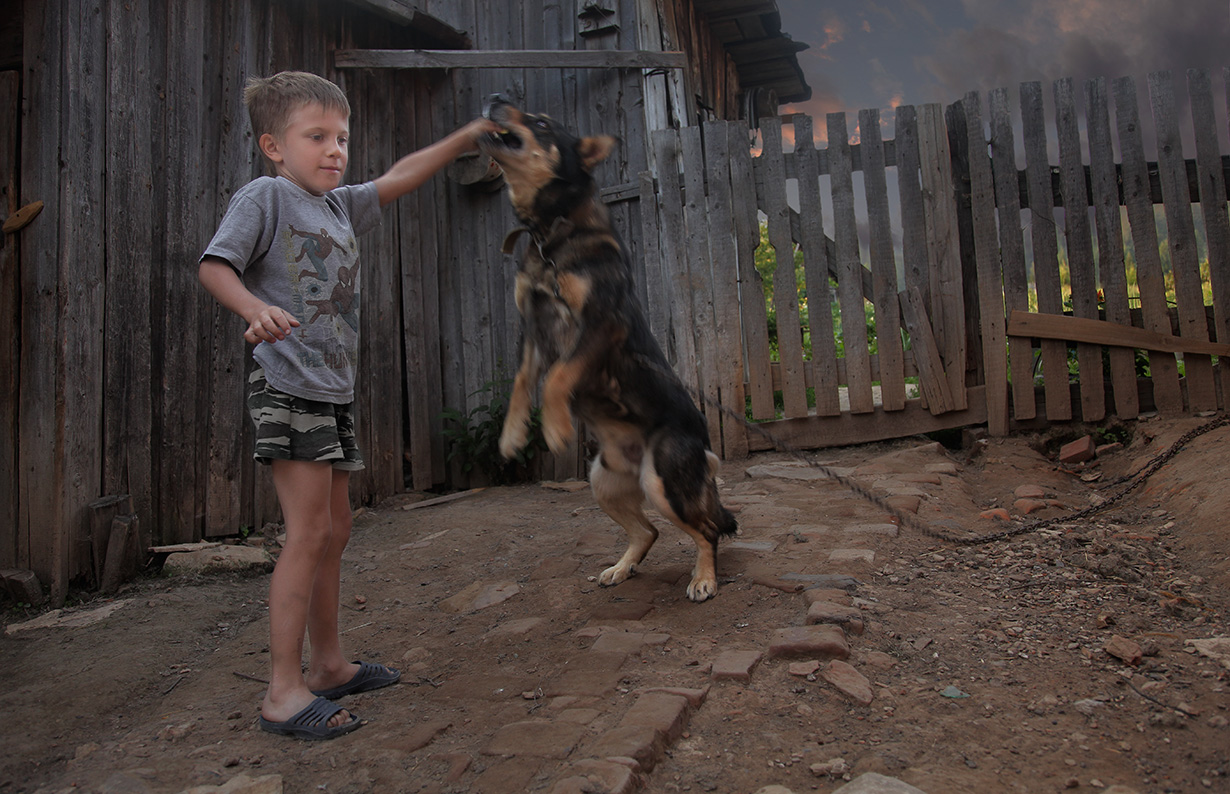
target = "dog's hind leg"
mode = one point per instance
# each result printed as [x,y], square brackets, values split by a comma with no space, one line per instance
[620,497]
[679,484]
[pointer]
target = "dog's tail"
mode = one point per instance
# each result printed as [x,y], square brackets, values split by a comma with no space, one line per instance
[687,469]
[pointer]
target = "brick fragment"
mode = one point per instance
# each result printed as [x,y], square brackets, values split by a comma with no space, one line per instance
[849,682]
[1078,451]
[1124,649]
[666,714]
[535,739]
[820,641]
[735,665]
[1027,506]
[827,612]
[604,776]
[695,697]
[638,742]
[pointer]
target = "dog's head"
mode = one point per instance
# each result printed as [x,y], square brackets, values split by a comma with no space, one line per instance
[547,169]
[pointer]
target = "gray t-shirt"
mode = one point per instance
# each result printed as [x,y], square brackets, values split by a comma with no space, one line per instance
[298,251]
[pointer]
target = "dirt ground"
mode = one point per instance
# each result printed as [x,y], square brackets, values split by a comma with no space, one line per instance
[987,665]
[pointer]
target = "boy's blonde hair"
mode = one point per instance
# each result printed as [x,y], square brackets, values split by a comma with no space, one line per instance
[272,100]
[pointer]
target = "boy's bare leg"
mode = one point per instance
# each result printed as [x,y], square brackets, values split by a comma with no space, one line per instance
[329,666]
[304,493]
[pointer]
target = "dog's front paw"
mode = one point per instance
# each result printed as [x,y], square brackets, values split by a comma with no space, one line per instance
[615,574]
[557,431]
[702,589]
[512,440]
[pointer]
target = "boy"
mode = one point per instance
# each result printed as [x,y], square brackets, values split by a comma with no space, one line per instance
[285,260]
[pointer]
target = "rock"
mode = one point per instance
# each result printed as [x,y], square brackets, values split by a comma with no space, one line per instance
[570,486]
[786,471]
[878,660]
[904,502]
[774,790]
[884,530]
[875,783]
[1124,649]
[479,596]
[750,545]
[67,618]
[849,682]
[852,555]
[833,767]
[518,627]
[219,558]
[928,478]
[242,784]
[1088,706]
[832,580]
[1216,648]
[803,668]
[1078,451]
[998,514]
[947,468]
[1106,449]
[22,586]
[1029,492]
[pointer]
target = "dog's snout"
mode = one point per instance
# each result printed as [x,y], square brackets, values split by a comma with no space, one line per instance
[493,102]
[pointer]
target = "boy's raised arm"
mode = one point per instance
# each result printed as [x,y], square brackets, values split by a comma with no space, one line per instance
[414,169]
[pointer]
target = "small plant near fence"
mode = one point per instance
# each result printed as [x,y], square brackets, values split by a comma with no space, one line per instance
[473,438]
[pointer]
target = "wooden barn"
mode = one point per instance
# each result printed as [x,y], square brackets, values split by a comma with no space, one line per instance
[122,421]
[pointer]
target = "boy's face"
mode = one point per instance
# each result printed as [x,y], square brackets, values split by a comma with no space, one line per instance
[312,151]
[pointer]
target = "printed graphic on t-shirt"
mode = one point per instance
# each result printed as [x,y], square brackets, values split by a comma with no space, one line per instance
[324,275]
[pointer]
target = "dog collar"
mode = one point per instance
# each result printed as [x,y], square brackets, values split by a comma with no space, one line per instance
[560,229]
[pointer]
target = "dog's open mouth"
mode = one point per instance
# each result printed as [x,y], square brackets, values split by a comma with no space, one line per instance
[506,139]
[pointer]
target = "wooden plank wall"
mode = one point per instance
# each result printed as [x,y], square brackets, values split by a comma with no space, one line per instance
[130,379]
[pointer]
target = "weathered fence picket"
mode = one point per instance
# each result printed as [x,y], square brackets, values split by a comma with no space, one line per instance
[1167,392]
[1184,261]
[1043,235]
[1212,205]
[1111,264]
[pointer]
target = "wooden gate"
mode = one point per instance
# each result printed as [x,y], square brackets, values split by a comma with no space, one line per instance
[848,374]
[985,298]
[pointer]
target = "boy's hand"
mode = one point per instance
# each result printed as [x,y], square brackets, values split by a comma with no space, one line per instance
[270,324]
[477,129]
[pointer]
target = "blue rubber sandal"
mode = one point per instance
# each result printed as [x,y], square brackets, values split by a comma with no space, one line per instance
[370,676]
[312,722]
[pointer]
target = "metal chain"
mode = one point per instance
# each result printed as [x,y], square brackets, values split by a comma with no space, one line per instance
[913,522]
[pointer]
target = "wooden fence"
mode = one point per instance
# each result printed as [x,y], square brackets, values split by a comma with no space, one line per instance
[961,290]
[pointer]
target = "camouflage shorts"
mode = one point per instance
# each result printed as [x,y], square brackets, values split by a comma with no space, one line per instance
[293,428]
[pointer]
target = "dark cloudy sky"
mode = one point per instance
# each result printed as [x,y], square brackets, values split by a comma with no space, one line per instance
[884,53]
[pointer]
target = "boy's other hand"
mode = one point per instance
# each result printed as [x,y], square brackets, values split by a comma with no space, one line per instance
[271,324]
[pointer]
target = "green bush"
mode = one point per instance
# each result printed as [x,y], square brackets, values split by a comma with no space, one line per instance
[473,439]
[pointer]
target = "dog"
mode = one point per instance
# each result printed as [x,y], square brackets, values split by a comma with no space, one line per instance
[583,326]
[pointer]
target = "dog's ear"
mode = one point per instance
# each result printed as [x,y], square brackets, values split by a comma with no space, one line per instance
[594,150]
